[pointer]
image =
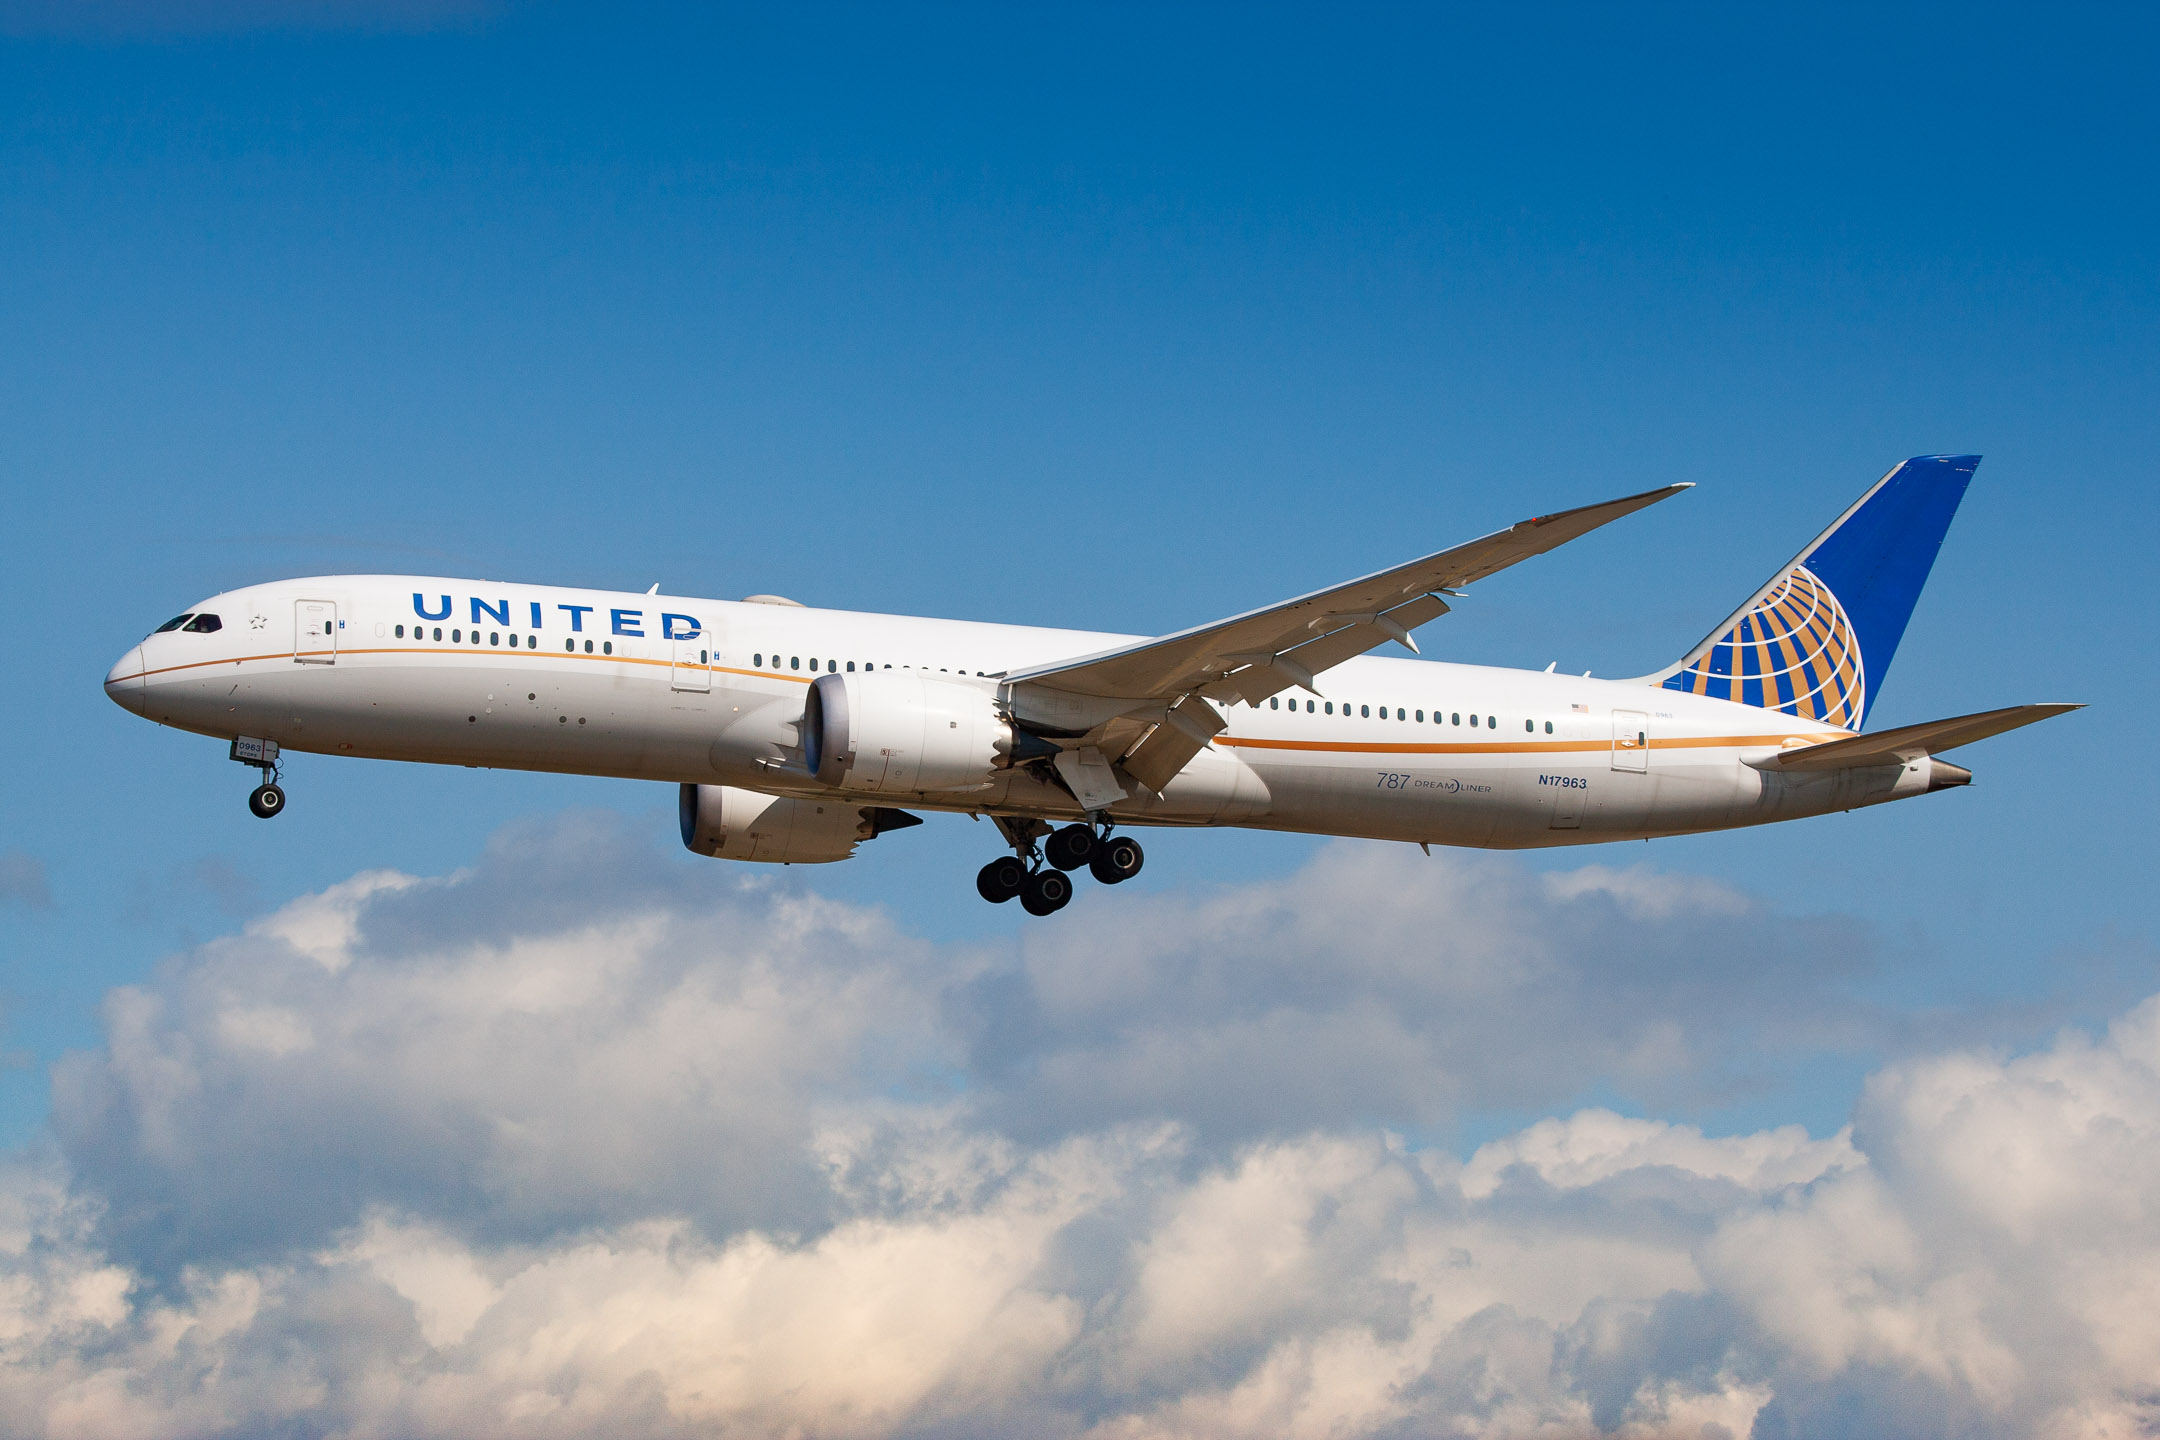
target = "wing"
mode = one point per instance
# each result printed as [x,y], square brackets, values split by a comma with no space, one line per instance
[1252,656]
[1910,742]
[1156,692]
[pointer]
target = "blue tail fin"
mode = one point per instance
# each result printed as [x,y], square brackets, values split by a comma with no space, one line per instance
[1817,640]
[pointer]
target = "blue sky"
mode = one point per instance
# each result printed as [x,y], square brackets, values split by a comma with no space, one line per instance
[1115,318]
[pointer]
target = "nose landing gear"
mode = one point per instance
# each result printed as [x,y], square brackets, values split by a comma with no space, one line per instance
[266,799]
[1037,876]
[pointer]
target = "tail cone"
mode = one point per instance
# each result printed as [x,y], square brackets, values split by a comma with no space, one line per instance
[1942,775]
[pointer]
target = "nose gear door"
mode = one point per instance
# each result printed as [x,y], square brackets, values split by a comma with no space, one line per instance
[315,627]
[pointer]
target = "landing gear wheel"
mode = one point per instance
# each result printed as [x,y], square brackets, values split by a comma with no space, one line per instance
[1047,892]
[1001,879]
[1070,848]
[1116,859]
[266,801]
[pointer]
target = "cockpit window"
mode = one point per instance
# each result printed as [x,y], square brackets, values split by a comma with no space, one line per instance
[203,625]
[173,624]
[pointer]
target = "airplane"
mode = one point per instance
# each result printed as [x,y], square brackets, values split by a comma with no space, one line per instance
[796,734]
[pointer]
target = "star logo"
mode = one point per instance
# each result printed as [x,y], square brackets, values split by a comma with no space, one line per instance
[257,622]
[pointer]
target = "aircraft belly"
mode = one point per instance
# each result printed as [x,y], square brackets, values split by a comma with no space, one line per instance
[509,716]
[1452,800]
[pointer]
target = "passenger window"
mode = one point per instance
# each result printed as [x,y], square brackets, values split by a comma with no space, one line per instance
[588,647]
[607,647]
[1491,723]
[1458,717]
[173,624]
[457,636]
[1399,714]
[1274,702]
[813,664]
[851,667]
[1473,722]
[1365,710]
[758,660]
[204,625]
[701,658]
[400,632]
[1548,727]
[570,645]
[494,637]
[1529,725]
[532,642]
[1421,717]
[794,662]
[1331,707]
[438,632]
[1308,707]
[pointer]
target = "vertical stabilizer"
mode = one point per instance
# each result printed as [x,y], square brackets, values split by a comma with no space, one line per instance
[1817,639]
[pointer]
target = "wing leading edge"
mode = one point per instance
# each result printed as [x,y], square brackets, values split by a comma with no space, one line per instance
[1263,652]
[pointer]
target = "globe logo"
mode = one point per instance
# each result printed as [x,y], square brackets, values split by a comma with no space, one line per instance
[1794,650]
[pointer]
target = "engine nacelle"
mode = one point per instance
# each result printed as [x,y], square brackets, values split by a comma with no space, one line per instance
[736,824]
[901,732]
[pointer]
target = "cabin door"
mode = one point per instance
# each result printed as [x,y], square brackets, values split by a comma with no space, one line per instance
[694,660]
[1630,740]
[315,627]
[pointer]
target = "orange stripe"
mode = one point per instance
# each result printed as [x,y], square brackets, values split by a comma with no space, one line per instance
[1511,747]
[1515,747]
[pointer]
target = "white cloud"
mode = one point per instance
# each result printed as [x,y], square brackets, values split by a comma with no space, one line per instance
[694,1157]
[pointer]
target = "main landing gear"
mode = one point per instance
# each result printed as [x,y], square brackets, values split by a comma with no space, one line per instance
[268,798]
[1037,875]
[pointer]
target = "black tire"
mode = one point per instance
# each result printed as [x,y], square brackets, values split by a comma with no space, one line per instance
[1070,848]
[1001,879]
[1047,892]
[1117,859]
[266,801]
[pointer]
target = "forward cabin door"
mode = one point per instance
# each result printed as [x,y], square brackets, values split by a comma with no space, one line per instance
[315,627]
[694,660]
[1630,740]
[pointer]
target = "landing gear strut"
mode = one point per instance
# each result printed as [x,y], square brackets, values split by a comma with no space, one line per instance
[1036,874]
[267,799]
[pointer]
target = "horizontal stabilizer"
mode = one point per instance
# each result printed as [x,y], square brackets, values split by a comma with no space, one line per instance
[1910,742]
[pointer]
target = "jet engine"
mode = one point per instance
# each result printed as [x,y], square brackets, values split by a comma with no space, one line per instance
[736,824]
[901,732]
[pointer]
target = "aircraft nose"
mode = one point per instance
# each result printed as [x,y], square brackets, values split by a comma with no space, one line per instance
[124,682]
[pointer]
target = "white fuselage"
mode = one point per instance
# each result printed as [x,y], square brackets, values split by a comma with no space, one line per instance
[596,683]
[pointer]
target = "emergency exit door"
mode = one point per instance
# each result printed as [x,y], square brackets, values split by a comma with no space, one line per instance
[315,632]
[693,662]
[1630,740]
